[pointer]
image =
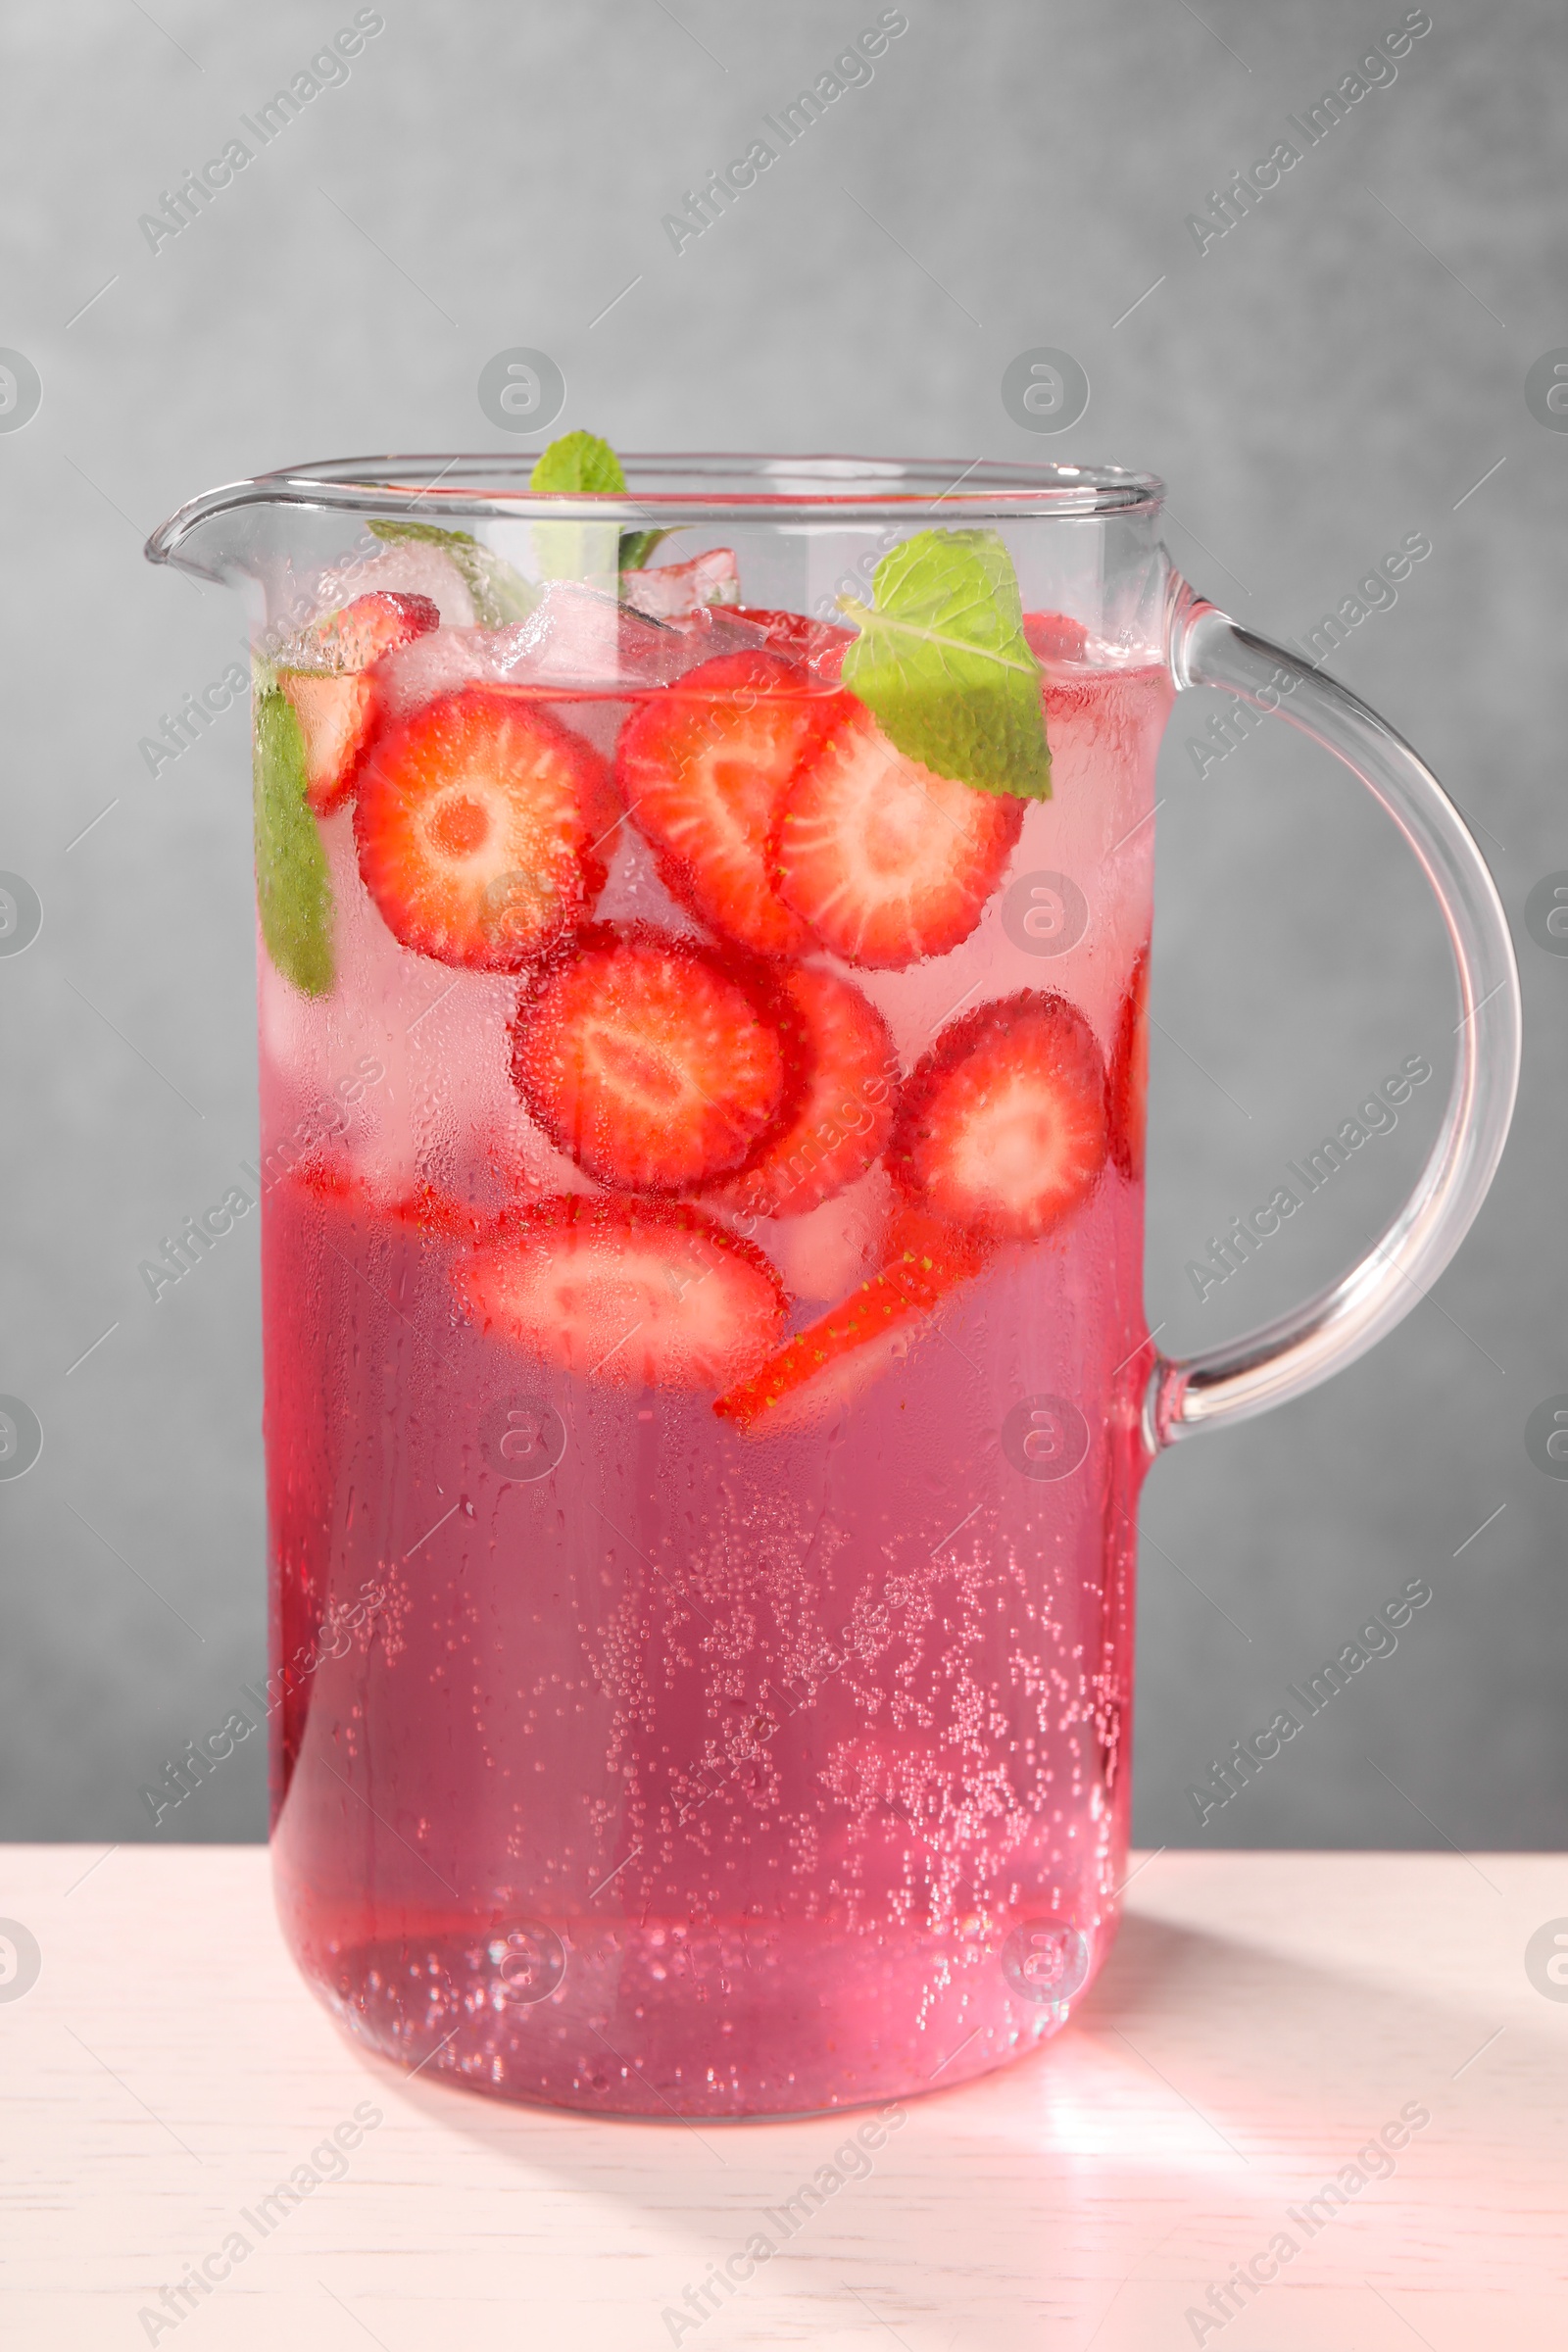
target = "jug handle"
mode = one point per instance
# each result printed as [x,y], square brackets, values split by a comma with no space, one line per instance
[1286,1358]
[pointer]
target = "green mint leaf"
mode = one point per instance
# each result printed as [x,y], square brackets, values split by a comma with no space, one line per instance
[579,465]
[943,664]
[293,890]
[637,546]
[579,462]
[500,594]
[583,463]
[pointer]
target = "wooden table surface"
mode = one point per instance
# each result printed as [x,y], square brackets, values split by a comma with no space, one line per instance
[1262,2018]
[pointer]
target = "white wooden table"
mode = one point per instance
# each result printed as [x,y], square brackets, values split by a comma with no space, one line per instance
[1262,2018]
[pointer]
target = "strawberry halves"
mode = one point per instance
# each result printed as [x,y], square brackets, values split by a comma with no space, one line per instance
[843,1350]
[702,768]
[628,1294]
[886,861]
[479,820]
[844,1115]
[1001,1127]
[654,1063]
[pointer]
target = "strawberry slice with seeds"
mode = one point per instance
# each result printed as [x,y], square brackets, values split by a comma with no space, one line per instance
[337,717]
[333,699]
[630,1293]
[422,1209]
[703,767]
[887,862]
[372,625]
[653,1062]
[478,820]
[844,1111]
[1002,1128]
[1127,1086]
[843,1350]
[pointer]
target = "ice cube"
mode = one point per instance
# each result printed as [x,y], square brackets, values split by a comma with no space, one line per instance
[835,1247]
[633,893]
[710,631]
[439,664]
[576,644]
[414,565]
[583,641]
[587,652]
[674,591]
[578,638]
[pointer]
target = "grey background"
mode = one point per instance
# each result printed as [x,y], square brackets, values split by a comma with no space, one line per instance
[1328,378]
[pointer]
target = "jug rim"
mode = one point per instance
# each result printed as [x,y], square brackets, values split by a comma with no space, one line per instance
[697,488]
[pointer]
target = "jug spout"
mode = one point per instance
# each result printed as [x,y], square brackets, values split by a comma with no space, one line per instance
[214,537]
[238,530]
[302,542]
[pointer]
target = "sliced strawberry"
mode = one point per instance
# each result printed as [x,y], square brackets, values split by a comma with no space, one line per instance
[1127,1086]
[839,1354]
[631,1294]
[844,1111]
[886,861]
[336,712]
[927,1257]
[653,1062]
[1054,637]
[817,642]
[702,768]
[477,820]
[421,1209]
[1003,1124]
[372,625]
[333,700]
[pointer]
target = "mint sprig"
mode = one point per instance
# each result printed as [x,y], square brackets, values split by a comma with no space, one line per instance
[500,594]
[584,463]
[581,464]
[943,664]
[293,889]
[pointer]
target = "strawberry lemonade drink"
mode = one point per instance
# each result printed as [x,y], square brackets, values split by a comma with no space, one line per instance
[703,945]
[703,1050]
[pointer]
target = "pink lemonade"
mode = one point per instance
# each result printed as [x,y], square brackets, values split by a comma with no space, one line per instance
[705,1360]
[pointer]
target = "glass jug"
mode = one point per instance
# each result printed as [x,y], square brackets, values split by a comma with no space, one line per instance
[702,966]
